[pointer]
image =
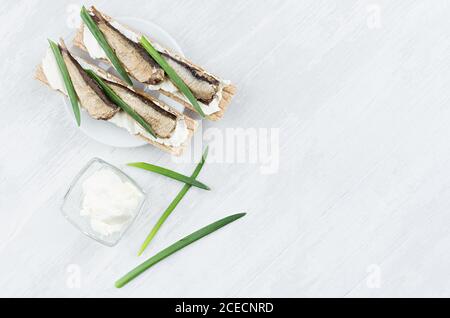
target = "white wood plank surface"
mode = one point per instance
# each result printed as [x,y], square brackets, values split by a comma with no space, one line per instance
[359,206]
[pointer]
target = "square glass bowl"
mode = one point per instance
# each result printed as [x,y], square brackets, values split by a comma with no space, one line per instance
[73,200]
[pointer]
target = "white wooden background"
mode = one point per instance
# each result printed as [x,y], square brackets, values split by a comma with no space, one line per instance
[360,205]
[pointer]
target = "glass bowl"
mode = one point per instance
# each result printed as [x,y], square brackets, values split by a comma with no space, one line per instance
[73,200]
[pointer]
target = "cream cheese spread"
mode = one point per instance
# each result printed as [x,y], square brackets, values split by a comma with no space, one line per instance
[52,73]
[109,202]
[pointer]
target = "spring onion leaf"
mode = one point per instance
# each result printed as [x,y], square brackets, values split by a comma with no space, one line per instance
[172,74]
[176,247]
[98,35]
[119,102]
[169,173]
[67,80]
[173,204]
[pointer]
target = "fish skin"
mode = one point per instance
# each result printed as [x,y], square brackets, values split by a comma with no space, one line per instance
[132,55]
[202,86]
[162,122]
[91,96]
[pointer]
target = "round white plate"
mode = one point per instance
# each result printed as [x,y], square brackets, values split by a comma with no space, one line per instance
[108,133]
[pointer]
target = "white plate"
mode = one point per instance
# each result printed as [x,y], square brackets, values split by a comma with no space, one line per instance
[108,133]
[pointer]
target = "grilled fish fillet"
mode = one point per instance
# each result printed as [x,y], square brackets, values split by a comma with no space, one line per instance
[89,93]
[163,122]
[132,55]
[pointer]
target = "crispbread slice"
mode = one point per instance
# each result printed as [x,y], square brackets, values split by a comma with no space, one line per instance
[190,123]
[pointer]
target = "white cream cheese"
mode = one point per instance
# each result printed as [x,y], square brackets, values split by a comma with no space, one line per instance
[52,73]
[109,202]
[95,51]
[178,137]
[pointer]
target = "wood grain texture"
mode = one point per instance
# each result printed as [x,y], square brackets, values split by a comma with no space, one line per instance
[358,207]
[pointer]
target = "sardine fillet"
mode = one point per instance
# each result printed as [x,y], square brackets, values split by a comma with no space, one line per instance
[133,57]
[89,93]
[162,122]
[202,87]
